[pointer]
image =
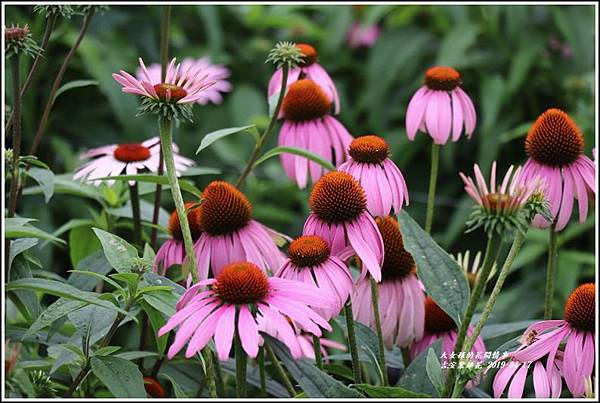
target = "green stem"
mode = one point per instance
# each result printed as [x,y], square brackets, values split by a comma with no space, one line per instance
[166,141]
[491,255]
[261,372]
[135,209]
[210,372]
[261,142]
[435,159]
[219,379]
[286,380]
[375,303]
[352,342]
[317,347]
[240,367]
[551,273]
[165,28]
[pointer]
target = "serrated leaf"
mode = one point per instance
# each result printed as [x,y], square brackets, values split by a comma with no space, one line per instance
[387,391]
[273,152]
[219,134]
[119,253]
[441,275]
[121,377]
[45,178]
[57,310]
[434,371]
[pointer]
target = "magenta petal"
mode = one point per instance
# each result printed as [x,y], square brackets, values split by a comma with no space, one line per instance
[224,332]
[515,390]
[248,331]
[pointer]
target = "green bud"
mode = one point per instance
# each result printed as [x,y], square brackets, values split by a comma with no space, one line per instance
[285,53]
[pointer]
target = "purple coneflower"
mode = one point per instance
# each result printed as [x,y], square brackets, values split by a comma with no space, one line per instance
[229,234]
[241,292]
[172,251]
[114,159]
[554,145]
[308,125]
[361,35]
[310,261]
[441,107]
[380,178]
[544,338]
[308,69]
[339,216]
[203,66]
[401,298]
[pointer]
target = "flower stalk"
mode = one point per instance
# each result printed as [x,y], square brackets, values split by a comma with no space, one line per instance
[435,159]
[551,273]
[375,303]
[352,342]
[135,210]
[317,348]
[240,367]
[261,372]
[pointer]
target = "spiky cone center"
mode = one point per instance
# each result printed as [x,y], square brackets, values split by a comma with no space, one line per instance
[241,283]
[224,209]
[174,225]
[397,263]
[369,149]
[16,33]
[176,92]
[442,78]
[153,387]
[580,308]
[309,54]
[308,251]
[132,152]
[337,198]
[554,139]
[305,100]
[436,320]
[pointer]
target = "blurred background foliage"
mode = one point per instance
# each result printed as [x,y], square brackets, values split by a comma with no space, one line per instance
[516,61]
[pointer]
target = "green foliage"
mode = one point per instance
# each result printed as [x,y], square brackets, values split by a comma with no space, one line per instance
[120,376]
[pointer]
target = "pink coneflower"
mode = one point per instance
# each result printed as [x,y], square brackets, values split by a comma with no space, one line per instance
[554,145]
[310,261]
[441,107]
[544,339]
[240,293]
[308,69]
[361,35]
[230,234]
[309,125]
[173,250]
[401,298]
[438,325]
[114,159]
[339,216]
[203,66]
[181,86]
[381,179]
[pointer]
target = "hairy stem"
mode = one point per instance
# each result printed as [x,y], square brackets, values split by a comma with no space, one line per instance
[57,80]
[317,347]
[219,378]
[375,303]
[136,217]
[551,273]
[261,142]
[435,159]
[210,372]
[240,367]
[286,380]
[352,342]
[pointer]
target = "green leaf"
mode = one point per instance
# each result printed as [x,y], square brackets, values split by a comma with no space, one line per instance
[19,246]
[219,134]
[26,301]
[387,391]
[92,323]
[59,289]
[57,310]
[273,103]
[454,46]
[121,377]
[434,371]
[108,350]
[73,84]
[149,178]
[98,276]
[500,329]
[119,253]
[64,184]
[94,263]
[296,151]
[134,355]
[414,378]
[45,178]
[163,302]
[314,382]
[157,320]
[82,243]
[366,340]
[16,228]
[442,277]
[179,393]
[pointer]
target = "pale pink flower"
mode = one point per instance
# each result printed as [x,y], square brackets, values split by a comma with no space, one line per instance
[554,145]
[204,314]
[361,35]
[378,175]
[213,72]
[114,159]
[441,107]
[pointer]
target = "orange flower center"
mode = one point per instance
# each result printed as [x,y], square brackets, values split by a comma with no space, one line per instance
[153,387]
[436,320]
[442,78]
[309,53]
[305,100]
[241,283]
[308,251]
[337,197]
[369,149]
[176,92]
[580,309]
[554,139]
[397,262]
[174,225]
[224,209]
[16,33]
[132,152]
